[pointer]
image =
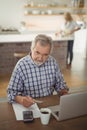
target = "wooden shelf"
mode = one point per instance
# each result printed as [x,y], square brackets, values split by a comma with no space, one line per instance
[54,10]
[41,14]
[54,7]
[44,6]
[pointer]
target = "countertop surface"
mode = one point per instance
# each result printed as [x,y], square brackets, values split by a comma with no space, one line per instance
[28,37]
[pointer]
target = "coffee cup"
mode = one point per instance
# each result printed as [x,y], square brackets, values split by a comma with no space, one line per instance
[45,114]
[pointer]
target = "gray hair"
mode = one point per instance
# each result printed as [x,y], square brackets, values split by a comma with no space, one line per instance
[43,40]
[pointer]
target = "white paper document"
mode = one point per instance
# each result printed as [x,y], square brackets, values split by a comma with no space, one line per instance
[18,110]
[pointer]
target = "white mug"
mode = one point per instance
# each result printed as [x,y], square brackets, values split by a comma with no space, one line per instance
[45,114]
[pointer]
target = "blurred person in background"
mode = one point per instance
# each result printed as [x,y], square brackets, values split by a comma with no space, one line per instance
[67,30]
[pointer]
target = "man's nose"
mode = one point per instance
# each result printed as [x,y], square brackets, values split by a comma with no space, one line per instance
[40,57]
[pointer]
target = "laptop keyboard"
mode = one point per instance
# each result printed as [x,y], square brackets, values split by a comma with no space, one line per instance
[54,108]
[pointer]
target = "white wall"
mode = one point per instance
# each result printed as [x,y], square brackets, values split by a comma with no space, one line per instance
[11,12]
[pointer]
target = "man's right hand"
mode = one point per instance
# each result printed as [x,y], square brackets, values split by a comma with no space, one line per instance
[26,101]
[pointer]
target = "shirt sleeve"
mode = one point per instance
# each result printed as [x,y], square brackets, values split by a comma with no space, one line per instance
[60,82]
[15,86]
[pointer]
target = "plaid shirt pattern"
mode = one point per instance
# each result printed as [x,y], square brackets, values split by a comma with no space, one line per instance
[33,80]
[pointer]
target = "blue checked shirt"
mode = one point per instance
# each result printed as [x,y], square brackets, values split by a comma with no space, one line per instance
[33,80]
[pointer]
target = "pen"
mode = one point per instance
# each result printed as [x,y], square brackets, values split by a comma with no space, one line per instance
[38,101]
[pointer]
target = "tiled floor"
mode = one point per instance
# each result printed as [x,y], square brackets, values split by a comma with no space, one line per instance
[76,77]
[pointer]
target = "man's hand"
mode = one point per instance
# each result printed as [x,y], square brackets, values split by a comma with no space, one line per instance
[26,101]
[63,92]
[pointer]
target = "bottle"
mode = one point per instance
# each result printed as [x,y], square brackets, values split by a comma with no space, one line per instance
[76,3]
[81,3]
[73,3]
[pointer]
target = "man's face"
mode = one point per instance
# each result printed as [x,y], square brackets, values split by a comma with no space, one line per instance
[40,53]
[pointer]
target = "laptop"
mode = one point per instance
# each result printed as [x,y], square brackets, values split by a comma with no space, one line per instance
[71,106]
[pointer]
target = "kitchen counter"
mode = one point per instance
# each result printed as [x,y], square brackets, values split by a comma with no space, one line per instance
[28,37]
